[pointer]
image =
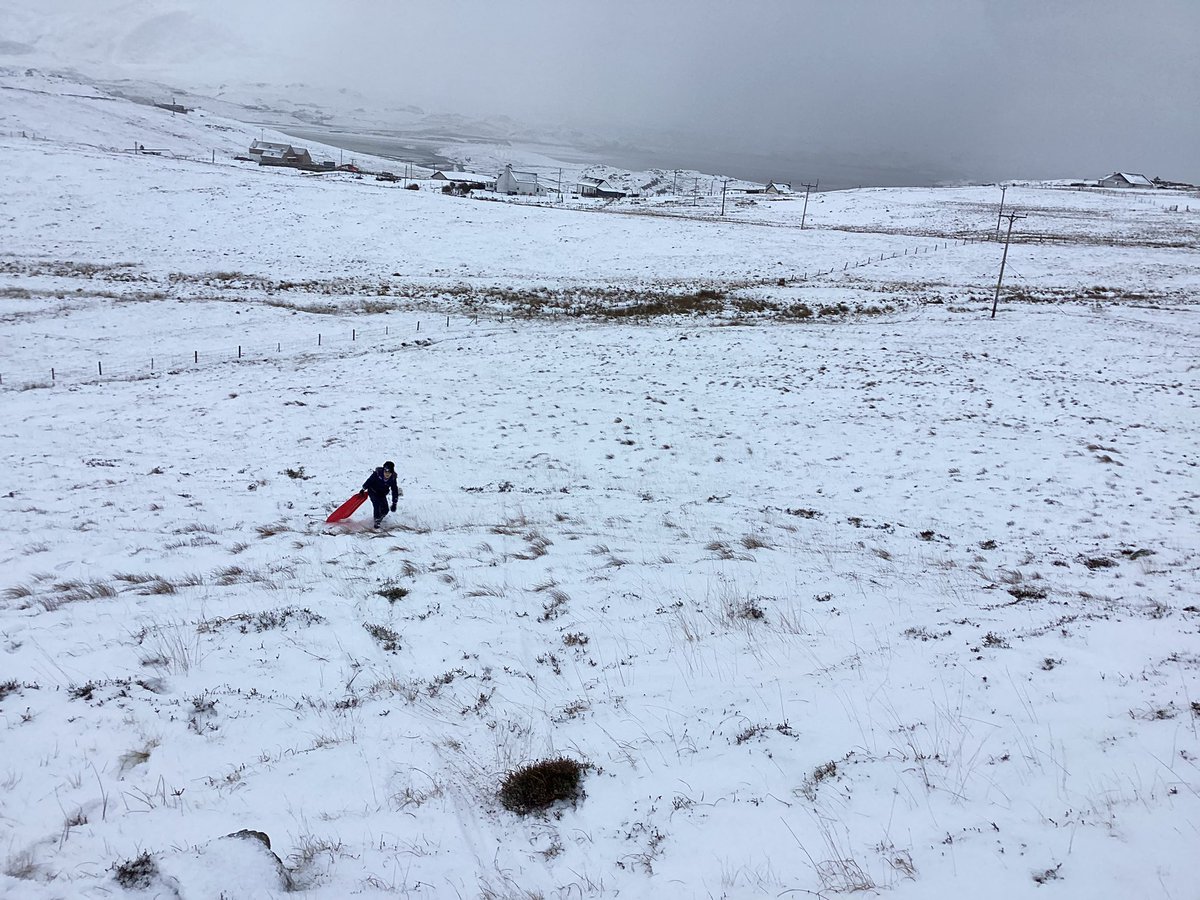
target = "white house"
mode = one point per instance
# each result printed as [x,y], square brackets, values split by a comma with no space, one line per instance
[1126,180]
[777,187]
[523,183]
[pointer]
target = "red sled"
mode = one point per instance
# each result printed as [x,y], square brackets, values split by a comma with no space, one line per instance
[346,510]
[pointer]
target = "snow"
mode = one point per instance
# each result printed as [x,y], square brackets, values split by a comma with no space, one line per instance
[896,598]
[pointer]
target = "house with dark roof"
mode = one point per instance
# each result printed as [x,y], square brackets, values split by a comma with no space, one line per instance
[269,154]
[464,179]
[588,186]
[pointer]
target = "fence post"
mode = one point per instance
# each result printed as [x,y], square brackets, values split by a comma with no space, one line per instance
[278,348]
[195,356]
[447,321]
[152,364]
[418,324]
[353,334]
[52,377]
[239,351]
[318,340]
[99,367]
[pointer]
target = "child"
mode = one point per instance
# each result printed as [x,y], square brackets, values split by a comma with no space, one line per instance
[377,486]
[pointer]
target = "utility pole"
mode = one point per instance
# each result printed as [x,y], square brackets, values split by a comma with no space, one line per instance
[675,182]
[808,189]
[723,186]
[1003,191]
[1003,259]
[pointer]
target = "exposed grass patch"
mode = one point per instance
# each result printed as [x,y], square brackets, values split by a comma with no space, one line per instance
[21,866]
[388,639]
[137,873]
[64,592]
[392,592]
[18,592]
[538,545]
[261,621]
[819,774]
[11,687]
[747,609]
[541,784]
[553,608]
[147,584]
[797,311]
[1024,592]
[923,634]
[1135,554]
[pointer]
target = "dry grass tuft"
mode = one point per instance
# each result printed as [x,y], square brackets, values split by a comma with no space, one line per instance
[541,784]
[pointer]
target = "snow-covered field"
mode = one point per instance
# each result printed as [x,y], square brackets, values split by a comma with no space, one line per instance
[892,597]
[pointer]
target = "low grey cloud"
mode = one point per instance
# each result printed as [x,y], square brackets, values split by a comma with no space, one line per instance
[939,89]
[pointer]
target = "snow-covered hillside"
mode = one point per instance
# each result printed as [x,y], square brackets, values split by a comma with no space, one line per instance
[830,582]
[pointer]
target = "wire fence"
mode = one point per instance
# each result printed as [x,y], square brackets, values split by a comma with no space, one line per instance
[340,342]
[103,368]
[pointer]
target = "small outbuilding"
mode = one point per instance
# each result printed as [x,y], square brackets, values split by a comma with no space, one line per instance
[588,186]
[465,179]
[1126,180]
[777,187]
[516,183]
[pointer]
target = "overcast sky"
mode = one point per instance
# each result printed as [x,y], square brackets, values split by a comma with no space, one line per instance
[990,89]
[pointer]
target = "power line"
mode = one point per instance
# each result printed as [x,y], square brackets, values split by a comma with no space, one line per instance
[1012,217]
[1000,215]
[808,188]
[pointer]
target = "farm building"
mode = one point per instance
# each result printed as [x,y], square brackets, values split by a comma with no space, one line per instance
[465,179]
[1126,180]
[587,186]
[777,187]
[287,155]
[269,153]
[258,147]
[523,183]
